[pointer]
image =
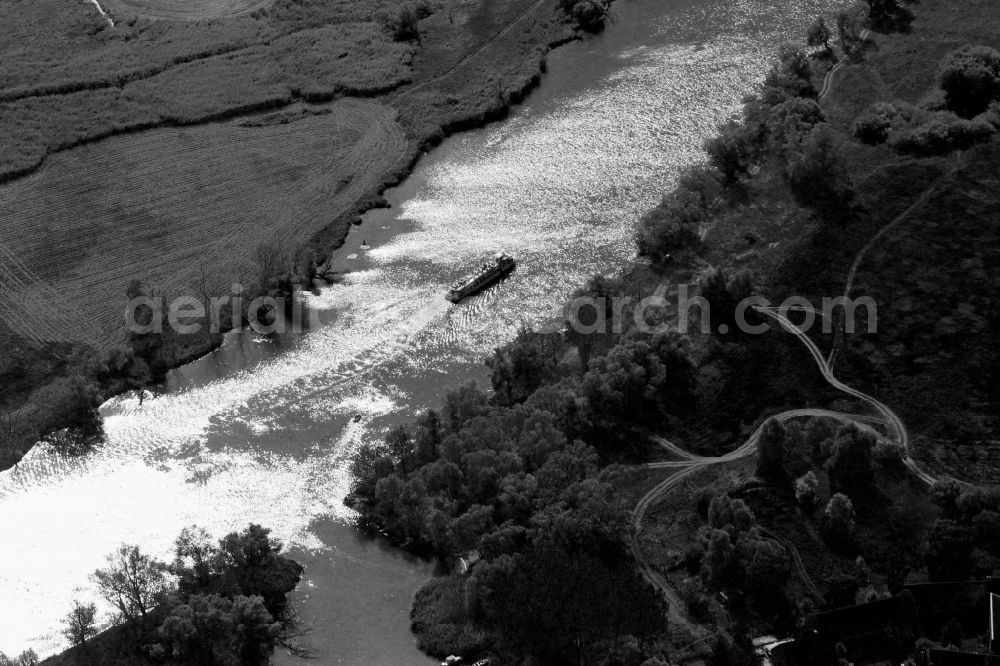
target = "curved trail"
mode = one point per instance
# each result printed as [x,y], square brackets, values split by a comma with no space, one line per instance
[860,257]
[691,463]
[828,79]
[796,559]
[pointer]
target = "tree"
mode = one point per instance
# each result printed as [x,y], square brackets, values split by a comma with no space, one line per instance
[791,121]
[850,464]
[949,551]
[817,431]
[133,582]
[970,78]
[771,451]
[839,520]
[790,77]
[560,605]
[729,650]
[71,412]
[641,382]
[195,561]
[819,35]
[847,29]
[987,527]
[875,124]
[80,623]
[733,150]
[463,405]
[522,366]
[26,658]
[806,487]
[945,494]
[890,15]
[406,28]
[211,630]
[818,174]
[589,15]
[675,224]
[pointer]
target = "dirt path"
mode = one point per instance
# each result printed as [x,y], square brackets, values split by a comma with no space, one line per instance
[882,233]
[692,463]
[828,79]
[800,566]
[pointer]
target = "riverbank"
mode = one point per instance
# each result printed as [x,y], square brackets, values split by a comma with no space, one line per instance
[460,79]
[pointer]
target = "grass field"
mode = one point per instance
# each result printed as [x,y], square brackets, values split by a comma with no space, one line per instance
[182,10]
[96,217]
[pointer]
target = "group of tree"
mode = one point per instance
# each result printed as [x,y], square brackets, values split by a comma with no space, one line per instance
[26,658]
[589,15]
[217,604]
[522,478]
[674,227]
[732,556]
[784,129]
[783,123]
[965,541]
[53,394]
[852,461]
[965,110]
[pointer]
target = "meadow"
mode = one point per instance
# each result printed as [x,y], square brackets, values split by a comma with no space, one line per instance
[97,217]
[186,11]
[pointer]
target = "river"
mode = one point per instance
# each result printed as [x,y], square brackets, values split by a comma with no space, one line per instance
[263,429]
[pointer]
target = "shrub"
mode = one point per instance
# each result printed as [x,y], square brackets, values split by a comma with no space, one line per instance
[791,121]
[992,115]
[888,454]
[440,620]
[818,174]
[949,551]
[889,15]
[819,34]
[806,491]
[772,450]
[589,15]
[735,148]
[790,77]
[944,133]
[838,520]
[675,224]
[874,125]
[945,494]
[970,78]
[850,463]
[405,27]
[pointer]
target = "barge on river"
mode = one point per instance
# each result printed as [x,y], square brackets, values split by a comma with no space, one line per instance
[488,274]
